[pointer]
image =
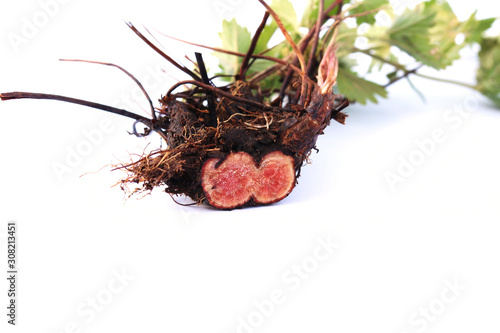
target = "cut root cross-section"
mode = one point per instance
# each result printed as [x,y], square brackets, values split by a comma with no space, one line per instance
[237,180]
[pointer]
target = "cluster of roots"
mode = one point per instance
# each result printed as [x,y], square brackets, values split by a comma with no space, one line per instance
[244,123]
[238,144]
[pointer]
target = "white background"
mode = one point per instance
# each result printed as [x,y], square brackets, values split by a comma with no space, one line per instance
[201,270]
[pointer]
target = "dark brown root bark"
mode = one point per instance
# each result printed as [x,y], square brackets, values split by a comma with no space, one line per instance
[193,146]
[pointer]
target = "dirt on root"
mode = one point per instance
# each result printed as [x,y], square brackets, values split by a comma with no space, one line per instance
[244,123]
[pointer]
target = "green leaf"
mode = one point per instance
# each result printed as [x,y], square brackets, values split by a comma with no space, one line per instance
[392,75]
[358,89]
[346,37]
[447,27]
[428,33]
[365,7]
[474,29]
[379,47]
[444,32]
[234,38]
[488,74]
[311,12]
[410,33]
[237,38]
[266,35]
[279,51]
[287,15]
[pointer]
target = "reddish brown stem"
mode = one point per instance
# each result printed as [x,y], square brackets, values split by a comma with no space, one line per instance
[223,94]
[239,54]
[163,54]
[298,52]
[153,114]
[305,42]
[314,48]
[121,112]
[255,39]
[339,10]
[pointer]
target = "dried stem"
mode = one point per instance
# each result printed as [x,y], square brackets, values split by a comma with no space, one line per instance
[153,113]
[121,112]
[407,72]
[255,39]
[163,54]
[212,112]
[304,43]
[316,37]
[239,54]
[224,94]
[295,48]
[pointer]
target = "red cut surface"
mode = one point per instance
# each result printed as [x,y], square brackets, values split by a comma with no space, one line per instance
[238,179]
[274,179]
[229,185]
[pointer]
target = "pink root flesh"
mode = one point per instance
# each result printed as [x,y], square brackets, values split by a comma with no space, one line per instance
[238,179]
